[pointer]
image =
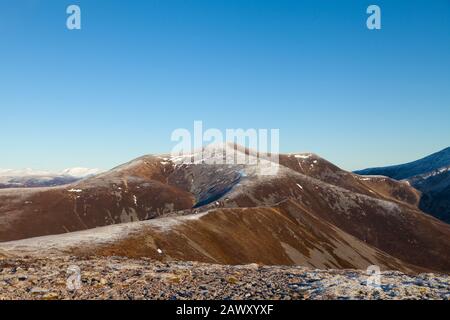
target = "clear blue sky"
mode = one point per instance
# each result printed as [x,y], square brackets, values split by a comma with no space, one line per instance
[140,69]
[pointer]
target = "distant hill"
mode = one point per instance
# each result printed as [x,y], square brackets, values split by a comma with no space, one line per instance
[28,178]
[430,175]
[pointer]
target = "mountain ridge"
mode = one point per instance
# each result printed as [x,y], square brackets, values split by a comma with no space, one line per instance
[430,175]
[428,163]
[310,212]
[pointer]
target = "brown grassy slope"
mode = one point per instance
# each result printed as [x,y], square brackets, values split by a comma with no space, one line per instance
[286,234]
[133,192]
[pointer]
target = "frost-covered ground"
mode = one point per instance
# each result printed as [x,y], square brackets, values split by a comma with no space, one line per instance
[121,278]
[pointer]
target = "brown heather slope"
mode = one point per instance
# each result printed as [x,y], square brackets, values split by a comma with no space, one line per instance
[135,191]
[396,228]
[310,213]
[374,186]
[283,235]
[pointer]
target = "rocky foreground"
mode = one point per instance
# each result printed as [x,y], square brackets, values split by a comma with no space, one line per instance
[121,278]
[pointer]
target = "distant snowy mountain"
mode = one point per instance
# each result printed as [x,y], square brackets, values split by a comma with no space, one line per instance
[29,178]
[430,175]
[422,166]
